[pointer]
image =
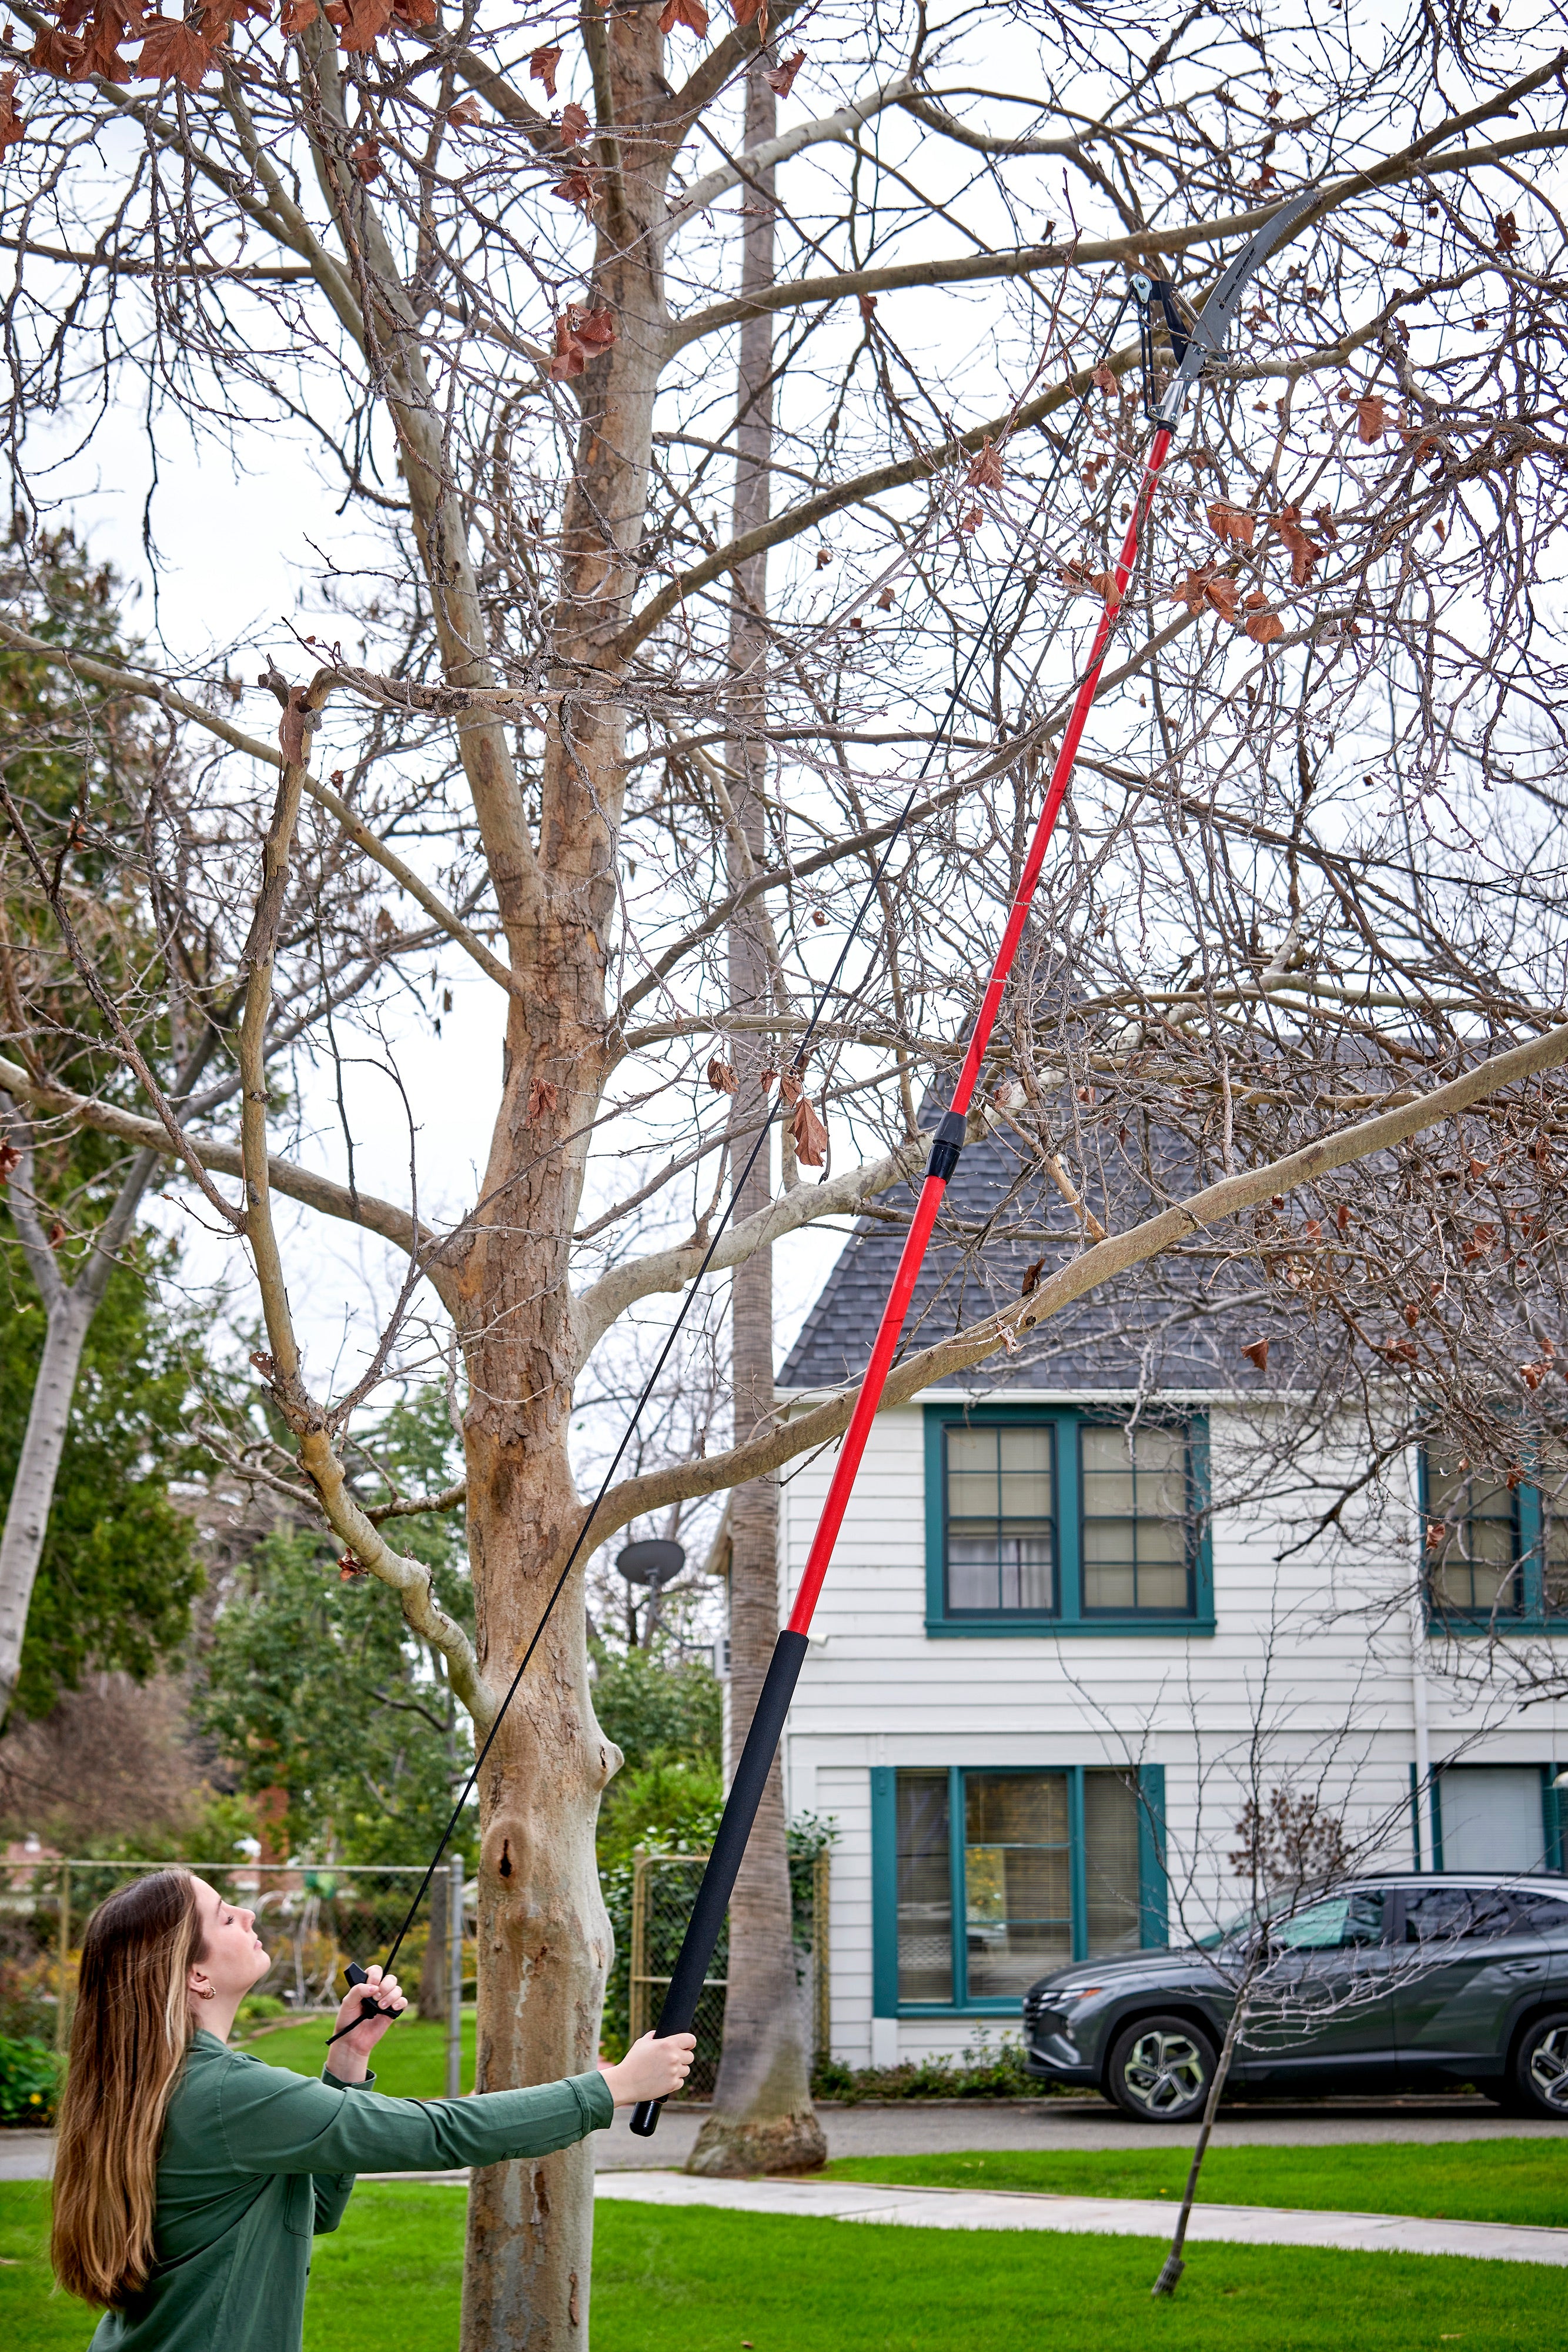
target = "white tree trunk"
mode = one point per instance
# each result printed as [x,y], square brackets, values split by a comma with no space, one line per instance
[33,1491]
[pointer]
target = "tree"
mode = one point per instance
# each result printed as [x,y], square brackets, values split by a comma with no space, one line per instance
[118,1570]
[503,324]
[118,1581]
[762,2119]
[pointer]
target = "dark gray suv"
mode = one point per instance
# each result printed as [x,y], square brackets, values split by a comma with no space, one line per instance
[1390,1984]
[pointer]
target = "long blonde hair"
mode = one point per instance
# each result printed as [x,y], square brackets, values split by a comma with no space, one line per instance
[129,2039]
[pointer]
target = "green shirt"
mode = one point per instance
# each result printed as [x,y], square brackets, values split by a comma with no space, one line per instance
[255,2162]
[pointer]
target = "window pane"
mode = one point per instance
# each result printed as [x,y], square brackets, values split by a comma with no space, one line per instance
[924,1888]
[1164,1589]
[1137,1531]
[1111,1861]
[1110,1588]
[1017,1886]
[1000,1533]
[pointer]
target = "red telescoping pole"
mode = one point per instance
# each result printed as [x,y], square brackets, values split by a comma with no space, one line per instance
[941,1168]
[767,1723]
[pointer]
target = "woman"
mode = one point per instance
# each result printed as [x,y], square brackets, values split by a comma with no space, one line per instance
[190,2179]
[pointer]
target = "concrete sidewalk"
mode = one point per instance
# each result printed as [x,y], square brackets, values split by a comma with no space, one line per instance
[965,2127]
[1125,2217]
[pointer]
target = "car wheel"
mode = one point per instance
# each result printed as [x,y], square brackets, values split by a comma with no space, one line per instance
[1160,2070]
[1540,2066]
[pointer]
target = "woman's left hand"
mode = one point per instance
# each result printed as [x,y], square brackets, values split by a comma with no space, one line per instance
[347,2058]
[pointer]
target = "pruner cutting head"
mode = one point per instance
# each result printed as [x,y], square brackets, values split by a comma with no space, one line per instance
[1194,346]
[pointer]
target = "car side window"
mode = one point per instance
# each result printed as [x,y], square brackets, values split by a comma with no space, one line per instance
[1449,1915]
[1543,1915]
[1342,1923]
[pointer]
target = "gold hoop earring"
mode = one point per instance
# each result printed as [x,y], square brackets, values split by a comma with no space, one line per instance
[210,1994]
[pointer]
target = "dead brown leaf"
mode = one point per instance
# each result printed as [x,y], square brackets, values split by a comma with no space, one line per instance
[1257,1352]
[1305,553]
[1232,524]
[172,51]
[721,1076]
[811,1135]
[689,13]
[1370,418]
[573,124]
[579,336]
[12,129]
[986,467]
[542,67]
[781,80]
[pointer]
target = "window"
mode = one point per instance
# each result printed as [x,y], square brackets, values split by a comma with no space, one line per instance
[1136,1522]
[1001,1548]
[1449,1914]
[1018,1894]
[1063,1520]
[1473,1567]
[1491,1551]
[997,1877]
[1340,1924]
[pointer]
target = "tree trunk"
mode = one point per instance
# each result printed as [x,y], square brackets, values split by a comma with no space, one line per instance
[544,1937]
[762,2119]
[32,1490]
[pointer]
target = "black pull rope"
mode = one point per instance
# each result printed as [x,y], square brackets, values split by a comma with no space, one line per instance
[353,1973]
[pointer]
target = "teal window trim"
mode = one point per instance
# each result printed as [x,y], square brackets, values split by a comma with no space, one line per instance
[1069,1618]
[1154,1883]
[1552,1815]
[1531,1615]
[1153,1887]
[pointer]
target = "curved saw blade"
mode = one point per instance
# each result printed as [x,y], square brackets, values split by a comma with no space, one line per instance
[1208,336]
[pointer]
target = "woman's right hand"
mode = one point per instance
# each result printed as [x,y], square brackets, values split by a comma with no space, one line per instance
[650,2069]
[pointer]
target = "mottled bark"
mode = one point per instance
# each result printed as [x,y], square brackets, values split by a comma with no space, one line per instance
[762,2119]
[544,1936]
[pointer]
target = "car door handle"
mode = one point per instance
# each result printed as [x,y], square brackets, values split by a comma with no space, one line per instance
[1524,1968]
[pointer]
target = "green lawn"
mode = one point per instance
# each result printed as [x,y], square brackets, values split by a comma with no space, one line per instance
[409,2061]
[1524,2181]
[704,2282]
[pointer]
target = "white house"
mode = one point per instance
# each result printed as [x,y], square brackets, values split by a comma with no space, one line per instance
[1044,1677]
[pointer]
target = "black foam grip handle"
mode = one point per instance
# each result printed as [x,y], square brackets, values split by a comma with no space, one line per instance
[724,1863]
[354,1974]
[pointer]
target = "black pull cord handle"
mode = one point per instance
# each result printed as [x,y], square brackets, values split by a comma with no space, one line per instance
[355,1975]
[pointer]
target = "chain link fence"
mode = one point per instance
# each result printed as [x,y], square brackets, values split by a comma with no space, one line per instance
[313,1917]
[663,1889]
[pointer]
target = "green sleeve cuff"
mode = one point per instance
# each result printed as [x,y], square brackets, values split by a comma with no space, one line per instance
[595,2094]
[336,2082]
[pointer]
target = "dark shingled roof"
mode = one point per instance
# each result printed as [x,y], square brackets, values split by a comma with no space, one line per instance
[1159,1329]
